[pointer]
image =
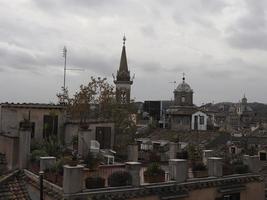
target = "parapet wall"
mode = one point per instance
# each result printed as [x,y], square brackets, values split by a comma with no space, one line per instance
[206,188]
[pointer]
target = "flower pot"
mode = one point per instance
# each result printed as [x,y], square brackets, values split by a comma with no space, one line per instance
[154,179]
[200,174]
[73,163]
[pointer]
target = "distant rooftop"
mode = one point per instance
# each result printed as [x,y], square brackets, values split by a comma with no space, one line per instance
[32,105]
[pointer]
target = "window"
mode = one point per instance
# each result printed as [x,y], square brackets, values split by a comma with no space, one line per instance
[201,120]
[50,125]
[123,97]
[32,128]
[262,155]
[103,136]
[183,99]
[233,150]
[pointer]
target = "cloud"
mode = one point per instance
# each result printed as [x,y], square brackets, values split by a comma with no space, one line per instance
[149,31]
[250,29]
[206,39]
[98,63]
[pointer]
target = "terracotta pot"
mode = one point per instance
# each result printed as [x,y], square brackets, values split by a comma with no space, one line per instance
[73,163]
[154,179]
[200,174]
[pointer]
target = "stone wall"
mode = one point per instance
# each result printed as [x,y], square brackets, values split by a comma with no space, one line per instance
[12,116]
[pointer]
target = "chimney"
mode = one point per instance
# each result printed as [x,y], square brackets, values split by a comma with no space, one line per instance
[132,152]
[178,170]
[215,166]
[134,169]
[253,163]
[47,162]
[72,179]
[24,144]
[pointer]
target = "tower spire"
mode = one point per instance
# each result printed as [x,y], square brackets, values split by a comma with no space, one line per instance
[123,69]
[183,77]
[123,80]
[124,40]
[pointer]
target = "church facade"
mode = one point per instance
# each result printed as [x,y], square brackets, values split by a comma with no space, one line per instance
[184,115]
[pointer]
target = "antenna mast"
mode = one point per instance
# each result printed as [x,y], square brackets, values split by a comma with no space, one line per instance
[65,68]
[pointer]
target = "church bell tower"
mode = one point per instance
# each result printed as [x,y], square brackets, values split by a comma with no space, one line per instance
[123,79]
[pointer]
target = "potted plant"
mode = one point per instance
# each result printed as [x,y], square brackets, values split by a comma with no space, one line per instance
[94,182]
[154,174]
[74,142]
[35,159]
[119,178]
[199,170]
[92,161]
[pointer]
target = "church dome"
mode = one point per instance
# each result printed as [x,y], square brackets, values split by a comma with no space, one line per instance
[183,87]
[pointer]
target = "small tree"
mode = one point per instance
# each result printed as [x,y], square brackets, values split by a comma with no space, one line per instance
[98,92]
[154,174]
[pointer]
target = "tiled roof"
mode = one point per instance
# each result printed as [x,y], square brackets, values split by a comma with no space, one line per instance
[47,191]
[2,159]
[12,187]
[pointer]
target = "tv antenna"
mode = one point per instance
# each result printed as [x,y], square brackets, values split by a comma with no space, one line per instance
[65,67]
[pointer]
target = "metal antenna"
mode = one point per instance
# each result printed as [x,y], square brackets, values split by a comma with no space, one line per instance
[65,67]
[65,62]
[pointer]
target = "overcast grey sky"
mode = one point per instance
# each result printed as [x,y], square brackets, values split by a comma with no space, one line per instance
[221,45]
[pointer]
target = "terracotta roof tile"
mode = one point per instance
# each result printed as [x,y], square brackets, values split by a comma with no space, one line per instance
[12,187]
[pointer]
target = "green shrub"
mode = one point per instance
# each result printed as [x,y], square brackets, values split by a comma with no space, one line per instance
[154,170]
[241,169]
[94,182]
[53,146]
[92,161]
[36,154]
[119,178]
[57,167]
[35,145]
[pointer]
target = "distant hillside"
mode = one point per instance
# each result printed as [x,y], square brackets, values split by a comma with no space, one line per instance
[260,109]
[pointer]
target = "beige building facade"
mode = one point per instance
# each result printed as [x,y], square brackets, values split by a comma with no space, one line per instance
[46,120]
